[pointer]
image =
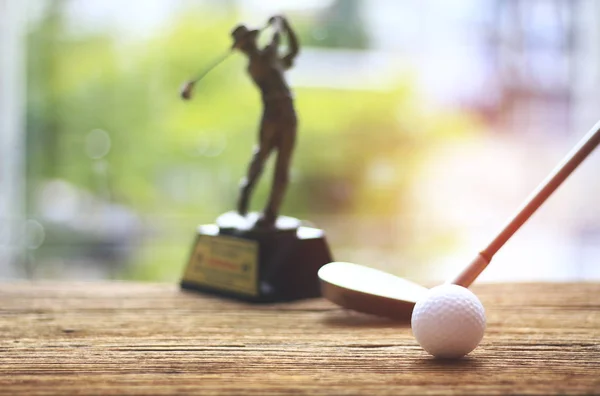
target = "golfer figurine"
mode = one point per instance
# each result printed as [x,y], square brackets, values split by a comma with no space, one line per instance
[278,125]
[261,257]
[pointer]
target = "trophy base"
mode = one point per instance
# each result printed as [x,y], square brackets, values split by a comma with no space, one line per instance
[257,265]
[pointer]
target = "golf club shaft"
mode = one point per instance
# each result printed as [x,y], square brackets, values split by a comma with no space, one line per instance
[188,87]
[217,61]
[575,157]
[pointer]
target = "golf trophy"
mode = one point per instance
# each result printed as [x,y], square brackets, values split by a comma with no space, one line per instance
[261,257]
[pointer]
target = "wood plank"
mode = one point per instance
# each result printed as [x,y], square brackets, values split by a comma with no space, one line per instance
[132,338]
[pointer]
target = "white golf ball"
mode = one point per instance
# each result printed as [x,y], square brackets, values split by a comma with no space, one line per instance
[449,321]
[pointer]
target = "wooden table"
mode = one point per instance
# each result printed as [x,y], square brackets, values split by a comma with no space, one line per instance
[131,338]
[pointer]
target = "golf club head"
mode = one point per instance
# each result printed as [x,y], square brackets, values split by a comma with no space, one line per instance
[186,90]
[368,290]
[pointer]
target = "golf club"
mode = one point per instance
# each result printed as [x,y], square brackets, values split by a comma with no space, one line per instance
[188,86]
[376,292]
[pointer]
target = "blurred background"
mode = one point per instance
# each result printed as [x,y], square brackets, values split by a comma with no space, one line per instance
[423,126]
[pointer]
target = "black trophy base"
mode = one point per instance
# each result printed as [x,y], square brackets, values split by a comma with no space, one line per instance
[257,265]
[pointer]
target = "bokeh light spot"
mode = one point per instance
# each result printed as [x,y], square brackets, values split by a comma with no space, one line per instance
[34,234]
[97,144]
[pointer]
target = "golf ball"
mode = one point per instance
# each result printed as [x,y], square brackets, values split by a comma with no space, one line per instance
[449,321]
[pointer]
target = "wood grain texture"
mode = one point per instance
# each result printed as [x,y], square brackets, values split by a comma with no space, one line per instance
[131,338]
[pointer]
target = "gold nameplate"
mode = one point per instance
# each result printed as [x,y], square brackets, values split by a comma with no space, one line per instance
[225,263]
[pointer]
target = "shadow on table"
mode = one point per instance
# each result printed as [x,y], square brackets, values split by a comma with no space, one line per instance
[431,363]
[347,318]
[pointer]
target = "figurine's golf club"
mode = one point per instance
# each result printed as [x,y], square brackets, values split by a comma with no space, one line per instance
[376,292]
[188,86]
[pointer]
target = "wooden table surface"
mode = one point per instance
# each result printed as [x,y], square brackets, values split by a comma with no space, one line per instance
[132,338]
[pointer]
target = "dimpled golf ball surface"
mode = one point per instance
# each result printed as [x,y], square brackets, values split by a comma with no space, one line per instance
[449,321]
